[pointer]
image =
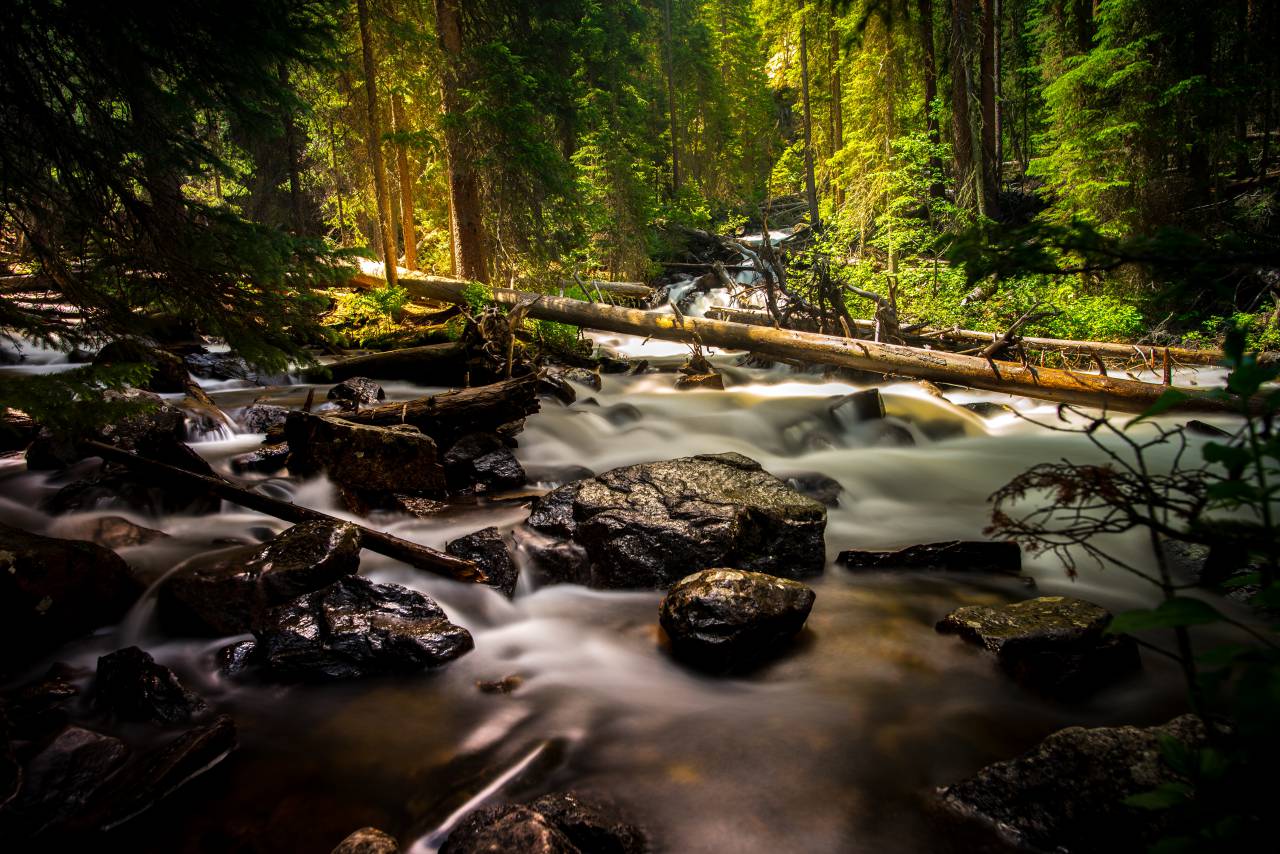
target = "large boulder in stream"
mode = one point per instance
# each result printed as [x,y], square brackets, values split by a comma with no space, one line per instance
[558,823]
[1053,644]
[363,457]
[649,525]
[221,594]
[1068,793]
[488,549]
[151,423]
[354,392]
[355,628]
[131,686]
[726,619]
[52,591]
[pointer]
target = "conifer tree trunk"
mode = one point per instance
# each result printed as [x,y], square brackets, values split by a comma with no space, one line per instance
[925,12]
[961,120]
[291,151]
[810,186]
[406,185]
[464,188]
[671,101]
[374,133]
[989,110]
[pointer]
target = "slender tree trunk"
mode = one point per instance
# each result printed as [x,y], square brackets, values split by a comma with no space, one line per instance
[291,151]
[464,187]
[337,182]
[998,75]
[406,185]
[925,11]
[810,186]
[671,100]
[961,119]
[988,111]
[375,142]
[837,108]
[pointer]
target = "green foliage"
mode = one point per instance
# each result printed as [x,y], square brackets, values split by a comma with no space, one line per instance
[72,402]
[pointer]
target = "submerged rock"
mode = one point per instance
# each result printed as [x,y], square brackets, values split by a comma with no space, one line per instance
[131,686]
[1053,644]
[561,823]
[363,457]
[817,486]
[488,550]
[948,556]
[865,405]
[355,628]
[265,460]
[356,392]
[222,593]
[52,591]
[1067,794]
[483,462]
[727,619]
[650,525]
[368,840]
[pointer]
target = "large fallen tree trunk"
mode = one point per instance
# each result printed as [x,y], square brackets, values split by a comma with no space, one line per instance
[416,555]
[1007,377]
[500,408]
[432,364]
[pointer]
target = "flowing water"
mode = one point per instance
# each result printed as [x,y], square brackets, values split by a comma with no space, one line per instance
[834,748]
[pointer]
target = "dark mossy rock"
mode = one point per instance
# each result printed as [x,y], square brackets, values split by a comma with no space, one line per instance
[52,591]
[487,549]
[59,780]
[112,532]
[169,374]
[482,462]
[649,525]
[365,458]
[221,593]
[560,823]
[948,556]
[265,460]
[131,686]
[1053,644]
[153,424]
[356,628]
[262,417]
[355,392]
[730,620]
[368,840]
[1068,793]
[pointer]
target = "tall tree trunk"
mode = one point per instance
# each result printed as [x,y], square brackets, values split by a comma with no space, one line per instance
[925,11]
[464,188]
[837,108]
[406,184]
[961,119]
[671,99]
[988,109]
[291,152]
[337,182]
[374,132]
[810,186]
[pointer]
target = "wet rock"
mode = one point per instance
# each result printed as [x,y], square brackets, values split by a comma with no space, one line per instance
[35,711]
[710,380]
[557,387]
[168,372]
[989,409]
[865,405]
[265,460]
[613,365]
[363,457]
[483,462]
[368,840]
[556,474]
[234,659]
[160,773]
[582,376]
[356,628]
[261,417]
[726,619]
[565,563]
[152,423]
[113,532]
[356,392]
[1067,794]
[592,825]
[948,556]
[131,686]
[507,829]
[117,485]
[817,486]
[1053,644]
[221,593]
[505,685]
[1204,428]
[60,779]
[220,366]
[52,591]
[488,550]
[650,525]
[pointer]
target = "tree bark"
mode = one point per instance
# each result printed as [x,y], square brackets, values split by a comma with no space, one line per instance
[671,100]
[967,195]
[375,143]
[837,108]
[407,227]
[924,9]
[471,261]
[810,186]
[989,111]
[1006,377]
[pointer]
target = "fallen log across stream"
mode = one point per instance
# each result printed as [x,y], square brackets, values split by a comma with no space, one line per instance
[419,556]
[1008,377]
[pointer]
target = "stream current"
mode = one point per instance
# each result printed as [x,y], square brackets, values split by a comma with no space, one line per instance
[836,747]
